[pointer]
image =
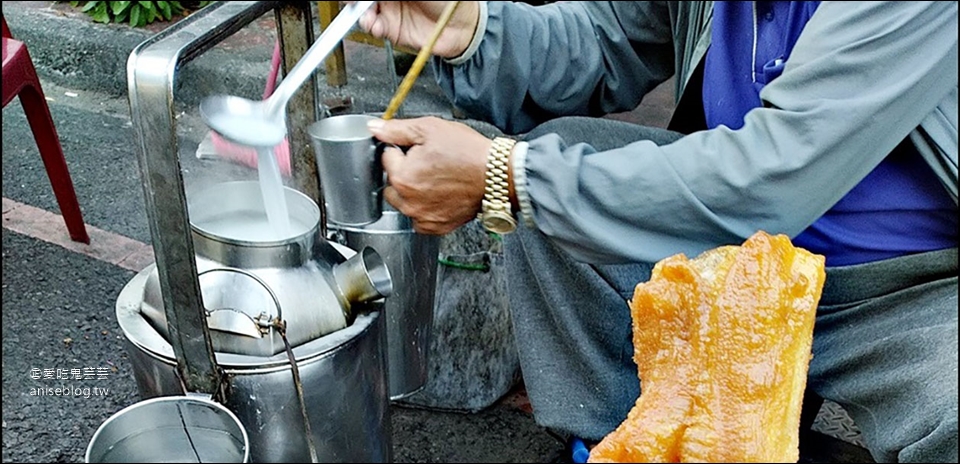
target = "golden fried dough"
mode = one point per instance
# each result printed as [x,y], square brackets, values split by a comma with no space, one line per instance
[722,345]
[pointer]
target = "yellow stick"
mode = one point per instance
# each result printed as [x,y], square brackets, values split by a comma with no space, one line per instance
[419,63]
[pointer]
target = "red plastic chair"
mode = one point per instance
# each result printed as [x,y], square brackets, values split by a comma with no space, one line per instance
[20,79]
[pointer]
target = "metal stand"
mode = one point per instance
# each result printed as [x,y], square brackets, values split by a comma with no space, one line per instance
[152,73]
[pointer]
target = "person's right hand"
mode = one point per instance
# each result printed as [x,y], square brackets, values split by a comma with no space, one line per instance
[411,23]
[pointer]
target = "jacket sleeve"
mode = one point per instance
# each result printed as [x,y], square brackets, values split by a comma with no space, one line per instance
[936,140]
[862,76]
[567,58]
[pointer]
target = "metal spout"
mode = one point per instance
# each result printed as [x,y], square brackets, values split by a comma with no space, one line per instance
[364,277]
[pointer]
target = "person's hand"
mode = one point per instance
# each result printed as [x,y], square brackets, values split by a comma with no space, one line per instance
[411,23]
[439,183]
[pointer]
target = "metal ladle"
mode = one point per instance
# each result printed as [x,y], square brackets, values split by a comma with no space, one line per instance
[262,124]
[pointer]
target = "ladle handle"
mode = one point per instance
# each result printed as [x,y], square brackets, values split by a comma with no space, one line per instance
[421,60]
[329,39]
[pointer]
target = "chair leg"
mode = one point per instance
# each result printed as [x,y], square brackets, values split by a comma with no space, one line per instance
[41,123]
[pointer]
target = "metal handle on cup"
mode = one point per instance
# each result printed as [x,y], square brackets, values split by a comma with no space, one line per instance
[380,147]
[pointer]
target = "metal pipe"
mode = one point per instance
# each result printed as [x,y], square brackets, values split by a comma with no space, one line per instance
[152,72]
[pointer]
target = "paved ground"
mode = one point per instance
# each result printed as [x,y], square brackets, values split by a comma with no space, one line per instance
[59,296]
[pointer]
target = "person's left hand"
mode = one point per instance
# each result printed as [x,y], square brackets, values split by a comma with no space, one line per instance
[439,183]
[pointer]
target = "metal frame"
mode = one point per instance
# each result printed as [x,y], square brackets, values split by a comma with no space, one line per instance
[152,73]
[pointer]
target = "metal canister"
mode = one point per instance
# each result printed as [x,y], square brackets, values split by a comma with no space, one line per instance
[343,377]
[412,261]
[247,282]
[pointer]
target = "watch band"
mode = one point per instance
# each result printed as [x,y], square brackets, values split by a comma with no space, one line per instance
[496,212]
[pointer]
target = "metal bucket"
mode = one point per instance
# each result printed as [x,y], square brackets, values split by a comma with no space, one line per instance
[171,429]
[343,375]
[412,261]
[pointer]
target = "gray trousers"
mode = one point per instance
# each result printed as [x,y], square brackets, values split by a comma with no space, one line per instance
[885,339]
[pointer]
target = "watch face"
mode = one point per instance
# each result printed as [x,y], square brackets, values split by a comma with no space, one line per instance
[500,223]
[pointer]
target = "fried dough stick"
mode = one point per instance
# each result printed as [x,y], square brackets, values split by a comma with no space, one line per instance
[722,345]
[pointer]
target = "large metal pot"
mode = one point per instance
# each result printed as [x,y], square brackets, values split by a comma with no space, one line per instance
[325,297]
[247,282]
[343,374]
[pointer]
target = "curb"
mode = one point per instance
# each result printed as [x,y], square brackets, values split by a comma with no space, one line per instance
[72,51]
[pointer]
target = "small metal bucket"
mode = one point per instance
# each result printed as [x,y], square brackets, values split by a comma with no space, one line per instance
[171,429]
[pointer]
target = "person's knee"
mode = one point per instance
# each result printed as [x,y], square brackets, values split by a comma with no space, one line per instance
[919,424]
[602,134]
[555,126]
[938,445]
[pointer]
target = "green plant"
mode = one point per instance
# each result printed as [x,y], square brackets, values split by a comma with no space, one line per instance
[138,14]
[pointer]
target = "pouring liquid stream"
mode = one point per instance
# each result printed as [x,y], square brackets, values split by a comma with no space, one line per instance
[271,187]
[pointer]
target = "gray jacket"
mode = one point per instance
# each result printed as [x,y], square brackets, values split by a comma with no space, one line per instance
[862,77]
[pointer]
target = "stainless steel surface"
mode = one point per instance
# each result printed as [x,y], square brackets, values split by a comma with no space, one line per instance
[412,261]
[263,123]
[350,169]
[364,277]
[217,235]
[344,377]
[152,78]
[171,429]
[314,286]
[347,402]
[229,312]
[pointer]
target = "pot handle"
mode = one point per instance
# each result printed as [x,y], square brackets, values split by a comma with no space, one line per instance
[261,323]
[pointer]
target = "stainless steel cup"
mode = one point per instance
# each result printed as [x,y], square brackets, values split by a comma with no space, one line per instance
[351,174]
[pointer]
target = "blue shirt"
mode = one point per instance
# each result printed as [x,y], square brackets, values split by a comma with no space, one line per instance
[898,209]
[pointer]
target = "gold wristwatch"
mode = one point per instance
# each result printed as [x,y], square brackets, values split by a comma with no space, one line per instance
[496,214]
